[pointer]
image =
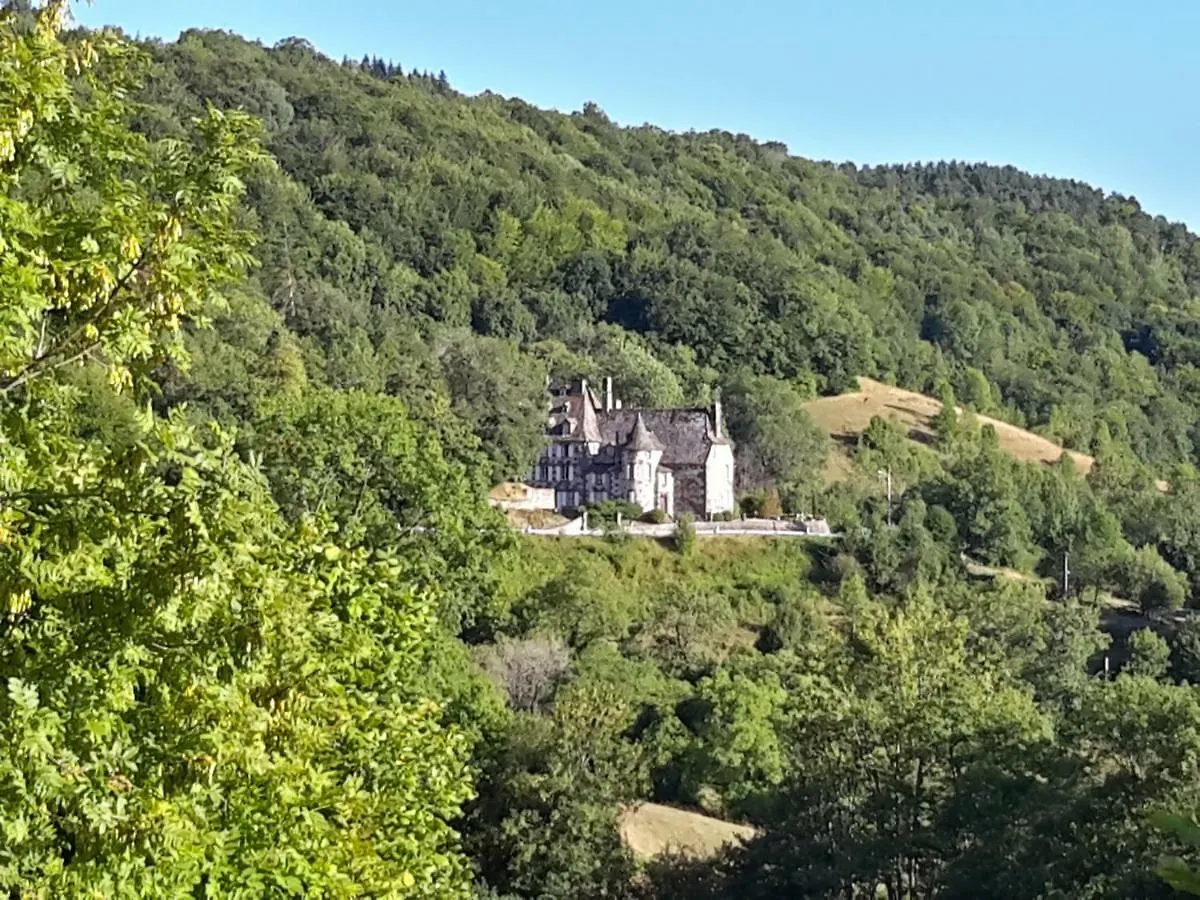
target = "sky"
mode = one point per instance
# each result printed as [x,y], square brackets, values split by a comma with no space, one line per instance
[1103,91]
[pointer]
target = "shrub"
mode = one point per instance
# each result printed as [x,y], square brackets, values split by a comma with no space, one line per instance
[751,505]
[655,517]
[772,507]
[685,536]
[527,671]
[604,515]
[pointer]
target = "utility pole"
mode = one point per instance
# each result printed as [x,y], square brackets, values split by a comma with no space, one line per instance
[887,473]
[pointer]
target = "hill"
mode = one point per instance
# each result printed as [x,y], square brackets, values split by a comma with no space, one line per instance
[845,416]
[453,252]
[412,234]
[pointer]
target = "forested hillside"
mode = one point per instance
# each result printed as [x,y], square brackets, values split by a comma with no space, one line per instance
[452,252]
[402,208]
[273,323]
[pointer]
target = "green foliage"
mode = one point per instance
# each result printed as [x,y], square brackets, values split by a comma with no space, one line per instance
[742,752]
[878,760]
[885,447]
[384,480]
[1185,650]
[1174,870]
[558,775]
[200,696]
[1149,655]
[225,679]
[945,423]
[685,536]
[1150,580]
[606,514]
[777,443]
[99,264]
[204,722]
[500,394]
[687,633]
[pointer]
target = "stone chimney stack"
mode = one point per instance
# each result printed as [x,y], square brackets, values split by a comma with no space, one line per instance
[583,387]
[608,394]
[718,414]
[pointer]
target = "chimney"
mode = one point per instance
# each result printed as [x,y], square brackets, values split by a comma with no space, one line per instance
[717,414]
[608,394]
[583,388]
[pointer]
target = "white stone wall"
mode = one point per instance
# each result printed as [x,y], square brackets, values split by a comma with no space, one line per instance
[645,478]
[534,498]
[718,480]
[665,495]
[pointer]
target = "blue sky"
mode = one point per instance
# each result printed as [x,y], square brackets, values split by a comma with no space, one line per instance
[1103,91]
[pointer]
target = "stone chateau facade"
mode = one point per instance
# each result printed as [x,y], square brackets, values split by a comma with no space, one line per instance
[676,460]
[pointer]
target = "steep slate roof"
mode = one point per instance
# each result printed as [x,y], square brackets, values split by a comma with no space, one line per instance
[641,438]
[590,427]
[575,417]
[685,435]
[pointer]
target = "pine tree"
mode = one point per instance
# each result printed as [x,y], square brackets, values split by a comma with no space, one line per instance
[945,423]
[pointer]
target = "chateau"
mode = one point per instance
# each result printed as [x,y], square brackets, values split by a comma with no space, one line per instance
[676,460]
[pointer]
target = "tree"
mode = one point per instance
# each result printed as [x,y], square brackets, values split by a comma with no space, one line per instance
[527,670]
[1185,650]
[386,480]
[778,444]
[199,698]
[1149,655]
[886,748]
[563,774]
[1147,578]
[740,751]
[690,631]
[501,394]
[685,536]
[945,423]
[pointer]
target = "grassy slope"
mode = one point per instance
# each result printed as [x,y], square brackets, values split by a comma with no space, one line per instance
[651,829]
[846,416]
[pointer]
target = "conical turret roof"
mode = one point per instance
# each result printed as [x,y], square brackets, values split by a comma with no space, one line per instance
[641,437]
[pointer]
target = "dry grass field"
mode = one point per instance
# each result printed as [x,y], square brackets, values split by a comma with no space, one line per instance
[846,416]
[650,829]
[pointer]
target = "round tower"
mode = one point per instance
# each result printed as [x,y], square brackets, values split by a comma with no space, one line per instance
[641,454]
